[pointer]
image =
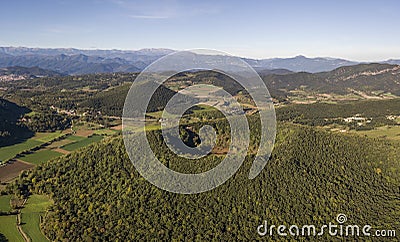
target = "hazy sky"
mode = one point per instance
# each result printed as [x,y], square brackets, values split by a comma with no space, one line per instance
[358,30]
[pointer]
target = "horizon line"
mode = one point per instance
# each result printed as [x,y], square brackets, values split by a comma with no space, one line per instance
[171,49]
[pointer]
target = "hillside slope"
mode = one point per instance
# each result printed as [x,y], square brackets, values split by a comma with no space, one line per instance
[10,130]
[366,78]
[311,177]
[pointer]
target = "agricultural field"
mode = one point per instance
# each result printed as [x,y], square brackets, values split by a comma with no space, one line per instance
[75,138]
[5,203]
[59,143]
[81,142]
[11,170]
[8,152]
[47,137]
[8,223]
[86,129]
[152,126]
[30,216]
[41,156]
[64,144]
[8,227]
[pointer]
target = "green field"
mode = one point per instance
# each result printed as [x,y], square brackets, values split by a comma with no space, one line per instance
[8,227]
[81,142]
[388,132]
[75,138]
[59,143]
[30,216]
[150,126]
[5,203]
[40,156]
[46,137]
[87,126]
[8,152]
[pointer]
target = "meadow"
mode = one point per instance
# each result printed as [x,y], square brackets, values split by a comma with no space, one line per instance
[385,132]
[5,203]
[9,152]
[41,156]
[30,216]
[81,142]
[8,227]
[47,137]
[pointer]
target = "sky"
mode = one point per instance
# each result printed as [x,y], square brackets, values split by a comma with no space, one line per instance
[356,30]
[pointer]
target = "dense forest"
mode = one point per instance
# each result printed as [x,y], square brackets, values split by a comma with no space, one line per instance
[311,177]
[111,102]
[48,121]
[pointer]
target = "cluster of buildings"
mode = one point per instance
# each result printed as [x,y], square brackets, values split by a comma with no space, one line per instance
[358,119]
[11,77]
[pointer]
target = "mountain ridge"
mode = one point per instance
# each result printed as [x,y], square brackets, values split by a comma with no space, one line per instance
[83,61]
[366,78]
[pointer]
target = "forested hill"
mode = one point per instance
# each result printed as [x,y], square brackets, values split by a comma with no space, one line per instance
[343,80]
[111,102]
[28,71]
[363,80]
[106,92]
[10,130]
[312,176]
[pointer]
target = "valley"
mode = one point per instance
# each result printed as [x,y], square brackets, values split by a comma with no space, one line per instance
[66,174]
[172,120]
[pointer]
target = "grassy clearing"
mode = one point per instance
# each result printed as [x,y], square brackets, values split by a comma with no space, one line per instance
[152,126]
[41,156]
[8,227]
[81,143]
[31,114]
[388,132]
[86,129]
[9,152]
[30,216]
[5,203]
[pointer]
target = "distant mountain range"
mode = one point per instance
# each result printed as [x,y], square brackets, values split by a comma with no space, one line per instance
[77,61]
[31,72]
[300,63]
[362,78]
